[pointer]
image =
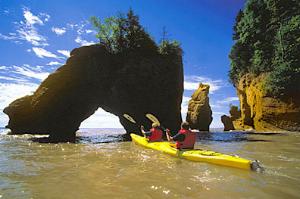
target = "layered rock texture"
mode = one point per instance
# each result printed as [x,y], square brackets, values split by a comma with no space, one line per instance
[263,112]
[136,83]
[199,113]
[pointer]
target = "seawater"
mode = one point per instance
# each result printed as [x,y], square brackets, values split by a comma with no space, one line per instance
[101,165]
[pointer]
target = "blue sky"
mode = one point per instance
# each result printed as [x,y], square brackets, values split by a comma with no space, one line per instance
[36,37]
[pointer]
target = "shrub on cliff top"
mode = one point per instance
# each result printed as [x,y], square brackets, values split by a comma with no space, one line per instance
[124,33]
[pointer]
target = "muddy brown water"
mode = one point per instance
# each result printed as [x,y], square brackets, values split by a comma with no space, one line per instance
[99,165]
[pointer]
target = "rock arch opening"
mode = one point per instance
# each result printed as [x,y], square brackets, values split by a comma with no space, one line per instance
[101,119]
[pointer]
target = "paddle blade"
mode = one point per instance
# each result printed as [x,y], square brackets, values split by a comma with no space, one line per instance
[152,118]
[128,117]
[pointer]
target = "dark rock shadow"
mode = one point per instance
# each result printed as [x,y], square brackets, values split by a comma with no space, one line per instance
[91,139]
[42,140]
[98,139]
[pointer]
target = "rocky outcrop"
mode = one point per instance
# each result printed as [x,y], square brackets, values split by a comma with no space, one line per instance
[136,83]
[227,122]
[199,113]
[262,112]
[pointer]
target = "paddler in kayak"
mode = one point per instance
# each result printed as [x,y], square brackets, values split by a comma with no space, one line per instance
[155,133]
[185,138]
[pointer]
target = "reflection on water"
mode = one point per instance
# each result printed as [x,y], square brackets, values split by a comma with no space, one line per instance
[232,136]
[99,166]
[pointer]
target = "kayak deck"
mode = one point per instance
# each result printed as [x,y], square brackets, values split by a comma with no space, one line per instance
[198,155]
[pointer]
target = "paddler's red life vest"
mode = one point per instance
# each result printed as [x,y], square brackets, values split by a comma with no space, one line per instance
[156,135]
[189,141]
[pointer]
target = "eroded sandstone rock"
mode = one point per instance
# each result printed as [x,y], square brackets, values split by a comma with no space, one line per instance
[137,83]
[199,113]
[263,112]
[227,122]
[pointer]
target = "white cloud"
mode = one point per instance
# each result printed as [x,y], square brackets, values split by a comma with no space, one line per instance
[219,113]
[40,52]
[30,18]
[27,31]
[88,31]
[31,73]
[45,16]
[23,74]
[81,29]
[101,119]
[64,52]
[54,63]
[228,100]
[71,25]
[6,12]
[3,67]
[10,36]
[216,106]
[31,35]
[224,103]
[58,31]
[10,92]
[83,42]
[184,106]
[13,79]
[192,83]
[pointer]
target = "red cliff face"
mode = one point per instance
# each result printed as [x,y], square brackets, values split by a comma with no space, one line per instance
[91,78]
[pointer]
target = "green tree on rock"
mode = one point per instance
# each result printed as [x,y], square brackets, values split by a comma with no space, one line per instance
[123,34]
[266,34]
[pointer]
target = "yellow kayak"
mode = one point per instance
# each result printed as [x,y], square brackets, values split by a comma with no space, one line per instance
[197,154]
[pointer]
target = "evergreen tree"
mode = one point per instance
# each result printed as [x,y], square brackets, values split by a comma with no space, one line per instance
[136,37]
[287,60]
[266,35]
[167,46]
[124,34]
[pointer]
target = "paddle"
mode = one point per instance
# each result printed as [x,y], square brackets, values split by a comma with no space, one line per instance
[154,119]
[129,118]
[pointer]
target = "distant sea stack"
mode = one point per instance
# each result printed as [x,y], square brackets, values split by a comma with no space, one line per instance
[265,65]
[199,113]
[128,73]
[227,122]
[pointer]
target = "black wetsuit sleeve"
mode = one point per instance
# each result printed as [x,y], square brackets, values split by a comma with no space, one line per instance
[179,137]
[148,133]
